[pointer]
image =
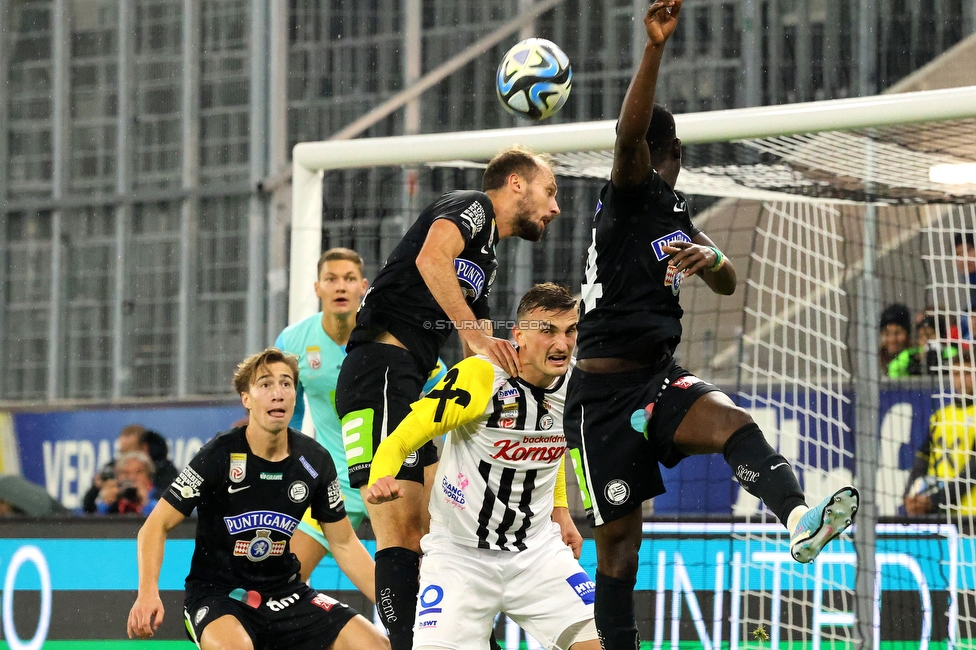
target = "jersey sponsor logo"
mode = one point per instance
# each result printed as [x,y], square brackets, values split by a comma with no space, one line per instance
[313,355]
[323,601]
[672,278]
[474,216]
[238,467]
[514,450]
[583,586]
[470,277]
[686,382]
[617,491]
[385,604]
[335,494]
[454,494]
[271,476]
[308,467]
[428,624]
[298,491]
[658,244]
[260,548]
[256,519]
[200,614]
[546,422]
[233,490]
[430,598]
[282,603]
[187,484]
[251,598]
[508,393]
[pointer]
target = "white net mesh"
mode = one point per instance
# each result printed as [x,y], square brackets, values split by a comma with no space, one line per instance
[791,211]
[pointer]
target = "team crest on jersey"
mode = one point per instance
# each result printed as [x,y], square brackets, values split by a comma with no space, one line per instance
[260,548]
[238,467]
[658,244]
[546,422]
[313,354]
[672,279]
[617,491]
[470,277]
[298,491]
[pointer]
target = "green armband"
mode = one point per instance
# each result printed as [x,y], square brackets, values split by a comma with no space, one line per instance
[719,260]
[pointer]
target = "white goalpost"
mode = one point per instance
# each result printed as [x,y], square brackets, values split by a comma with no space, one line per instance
[831,211]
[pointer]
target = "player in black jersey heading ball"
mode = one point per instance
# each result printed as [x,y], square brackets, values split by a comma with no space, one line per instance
[250,486]
[436,280]
[629,406]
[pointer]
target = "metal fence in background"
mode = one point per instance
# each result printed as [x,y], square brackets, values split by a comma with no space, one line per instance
[138,256]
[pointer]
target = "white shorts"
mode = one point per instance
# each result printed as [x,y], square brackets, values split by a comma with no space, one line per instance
[543,589]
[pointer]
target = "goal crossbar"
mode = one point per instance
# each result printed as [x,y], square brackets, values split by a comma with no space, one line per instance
[312,159]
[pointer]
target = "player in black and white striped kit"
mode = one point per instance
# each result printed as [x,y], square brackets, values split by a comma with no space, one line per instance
[501,538]
[629,406]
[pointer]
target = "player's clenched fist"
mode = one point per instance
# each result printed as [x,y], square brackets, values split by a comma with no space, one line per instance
[383,490]
[145,617]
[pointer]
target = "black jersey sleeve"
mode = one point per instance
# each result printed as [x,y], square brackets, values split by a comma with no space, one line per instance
[467,212]
[199,478]
[686,224]
[327,504]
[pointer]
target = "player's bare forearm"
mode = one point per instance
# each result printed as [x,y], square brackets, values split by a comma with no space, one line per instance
[698,258]
[631,159]
[351,556]
[147,612]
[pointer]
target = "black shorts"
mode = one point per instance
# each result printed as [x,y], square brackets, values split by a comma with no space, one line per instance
[619,427]
[298,617]
[376,386]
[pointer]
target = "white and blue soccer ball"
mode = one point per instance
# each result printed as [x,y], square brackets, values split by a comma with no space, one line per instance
[534,79]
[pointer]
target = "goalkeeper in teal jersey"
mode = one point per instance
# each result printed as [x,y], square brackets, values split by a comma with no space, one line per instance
[319,342]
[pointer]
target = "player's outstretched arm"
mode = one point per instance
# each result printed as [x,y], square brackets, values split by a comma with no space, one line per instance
[459,398]
[436,265]
[351,556]
[631,158]
[147,612]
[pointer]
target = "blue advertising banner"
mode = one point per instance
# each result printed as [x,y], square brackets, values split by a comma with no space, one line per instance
[62,450]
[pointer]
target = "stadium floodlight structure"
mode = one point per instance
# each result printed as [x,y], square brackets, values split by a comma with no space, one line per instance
[829,209]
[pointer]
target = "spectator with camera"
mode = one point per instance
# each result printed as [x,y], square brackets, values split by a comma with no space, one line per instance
[130,490]
[133,437]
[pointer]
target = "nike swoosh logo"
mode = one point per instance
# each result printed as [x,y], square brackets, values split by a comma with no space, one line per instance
[232,489]
[484,249]
[777,465]
[679,207]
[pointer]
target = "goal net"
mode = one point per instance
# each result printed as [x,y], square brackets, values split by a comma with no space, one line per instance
[847,221]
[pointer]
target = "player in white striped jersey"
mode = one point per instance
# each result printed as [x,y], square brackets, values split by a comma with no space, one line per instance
[501,538]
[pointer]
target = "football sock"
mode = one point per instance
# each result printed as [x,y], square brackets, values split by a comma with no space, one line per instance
[762,472]
[613,612]
[397,584]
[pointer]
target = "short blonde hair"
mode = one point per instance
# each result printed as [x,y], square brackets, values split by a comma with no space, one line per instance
[341,254]
[247,369]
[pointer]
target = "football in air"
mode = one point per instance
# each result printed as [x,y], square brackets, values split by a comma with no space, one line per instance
[534,79]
